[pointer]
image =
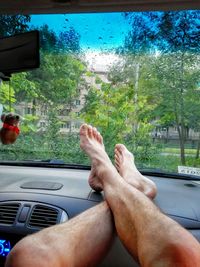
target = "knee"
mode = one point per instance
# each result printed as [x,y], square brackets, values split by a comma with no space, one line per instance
[19,255]
[184,255]
[177,255]
[29,252]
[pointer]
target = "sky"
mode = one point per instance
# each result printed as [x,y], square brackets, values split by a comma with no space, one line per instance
[100,34]
[97,31]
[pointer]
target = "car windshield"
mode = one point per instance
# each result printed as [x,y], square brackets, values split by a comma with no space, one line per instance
[135,76]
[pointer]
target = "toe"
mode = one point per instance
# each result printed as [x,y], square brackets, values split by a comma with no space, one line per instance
[124,151]
[117,161]
[117,154]
[117,146]
[100,138]
[121,147]
[95,133]
[90,131]
[117,167]
[84,129]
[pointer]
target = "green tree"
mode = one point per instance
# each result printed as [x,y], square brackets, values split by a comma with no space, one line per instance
[13,24]
[111,109]
[193,114]
[48,39]
[175,36]
[53,87]
[7,96]
[69,41]
[177,84]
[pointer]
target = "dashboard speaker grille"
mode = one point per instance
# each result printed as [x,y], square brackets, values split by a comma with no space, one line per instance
[43,216]
[8,213]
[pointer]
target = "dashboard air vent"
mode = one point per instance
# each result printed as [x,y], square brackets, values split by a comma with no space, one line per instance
[8,212]
[43,216]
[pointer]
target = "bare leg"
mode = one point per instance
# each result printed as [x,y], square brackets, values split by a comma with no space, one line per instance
[81,242]
[160,240]
[72,243]
[124,162]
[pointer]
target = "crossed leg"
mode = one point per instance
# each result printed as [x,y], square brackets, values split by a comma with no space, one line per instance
[81,242]
[84,240]
[124,163]
[149,235]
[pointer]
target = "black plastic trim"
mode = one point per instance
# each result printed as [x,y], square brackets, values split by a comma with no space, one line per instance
[45,165]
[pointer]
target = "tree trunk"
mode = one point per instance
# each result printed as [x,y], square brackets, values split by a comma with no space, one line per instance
[180,127]
[182,112]
[34,107]
[198,148]
[167,134]
[187,132]
[182,144]
[135,97]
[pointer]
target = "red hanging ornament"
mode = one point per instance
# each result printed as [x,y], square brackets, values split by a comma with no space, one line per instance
[10,129]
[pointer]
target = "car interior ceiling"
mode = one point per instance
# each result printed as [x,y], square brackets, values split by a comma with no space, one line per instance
[65,192]
[70,6]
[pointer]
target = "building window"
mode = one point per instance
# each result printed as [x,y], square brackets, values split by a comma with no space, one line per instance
[43,112]
[78,102]
[77,125]
[42,124]
[64,112]
[28,110]
[68,125]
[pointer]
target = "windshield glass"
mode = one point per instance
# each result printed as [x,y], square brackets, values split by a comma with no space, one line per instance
[134,76]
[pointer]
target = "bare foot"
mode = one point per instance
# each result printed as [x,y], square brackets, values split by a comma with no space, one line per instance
[92,143]
[124,162]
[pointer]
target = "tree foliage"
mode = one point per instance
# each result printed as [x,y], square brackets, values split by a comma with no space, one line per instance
[13,24]
[174,37]
[53,87]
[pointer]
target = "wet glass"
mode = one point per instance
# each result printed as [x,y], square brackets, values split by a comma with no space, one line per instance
[133,75]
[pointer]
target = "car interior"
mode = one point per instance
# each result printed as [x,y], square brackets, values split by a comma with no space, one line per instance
[39,189]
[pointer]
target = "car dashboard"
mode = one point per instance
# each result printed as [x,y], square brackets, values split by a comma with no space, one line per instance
[32,198]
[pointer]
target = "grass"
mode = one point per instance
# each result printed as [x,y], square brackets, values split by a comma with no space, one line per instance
[188,151]
[169,163]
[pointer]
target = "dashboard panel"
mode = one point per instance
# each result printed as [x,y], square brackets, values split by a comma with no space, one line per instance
[32,198]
